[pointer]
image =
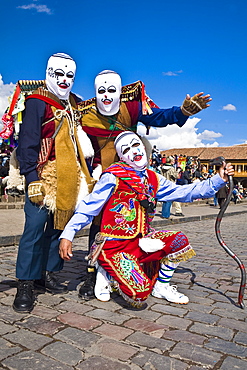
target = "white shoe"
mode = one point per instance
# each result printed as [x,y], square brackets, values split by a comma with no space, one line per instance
[102,287]
[169,292]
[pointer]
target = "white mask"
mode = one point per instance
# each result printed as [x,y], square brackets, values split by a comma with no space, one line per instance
[108,90]
[131,150]
[60,75]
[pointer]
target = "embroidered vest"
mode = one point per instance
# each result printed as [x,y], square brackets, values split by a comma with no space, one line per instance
[123,216]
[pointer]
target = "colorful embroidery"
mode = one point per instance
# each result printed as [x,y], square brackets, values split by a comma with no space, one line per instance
[179,241]
[127,267]
[126,211]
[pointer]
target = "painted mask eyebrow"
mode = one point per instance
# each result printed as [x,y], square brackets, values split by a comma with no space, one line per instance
[111,89]
[133,143]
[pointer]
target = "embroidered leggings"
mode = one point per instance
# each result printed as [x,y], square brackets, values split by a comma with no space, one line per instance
[124,260]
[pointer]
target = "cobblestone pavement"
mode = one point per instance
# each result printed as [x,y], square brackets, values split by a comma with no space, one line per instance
[64,332]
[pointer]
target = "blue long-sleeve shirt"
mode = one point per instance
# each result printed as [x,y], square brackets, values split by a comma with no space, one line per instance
[163,117]
[93,203]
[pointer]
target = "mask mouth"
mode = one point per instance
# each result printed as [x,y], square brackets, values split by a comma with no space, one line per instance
[137,158]
[63,85]
[107,101]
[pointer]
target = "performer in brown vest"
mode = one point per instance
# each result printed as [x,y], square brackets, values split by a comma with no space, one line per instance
[52,161]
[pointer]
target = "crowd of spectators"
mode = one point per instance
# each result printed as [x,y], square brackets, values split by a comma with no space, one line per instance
[190,170]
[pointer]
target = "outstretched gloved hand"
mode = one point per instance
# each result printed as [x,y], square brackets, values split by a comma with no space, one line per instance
[195,104]
[36,192]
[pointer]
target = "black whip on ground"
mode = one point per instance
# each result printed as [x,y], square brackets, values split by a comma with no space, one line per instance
[219,161]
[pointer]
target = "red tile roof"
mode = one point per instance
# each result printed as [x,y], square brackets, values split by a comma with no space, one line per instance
[236,152]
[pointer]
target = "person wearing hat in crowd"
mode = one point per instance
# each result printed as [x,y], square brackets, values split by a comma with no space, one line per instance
[171,174]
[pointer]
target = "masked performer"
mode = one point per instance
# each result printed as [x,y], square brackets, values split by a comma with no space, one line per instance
[117,109]
[126,194]
[53,163]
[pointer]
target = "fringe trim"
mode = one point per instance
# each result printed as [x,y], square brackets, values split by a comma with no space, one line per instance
[182,255]
[132,302]
[61,218]
[49,181]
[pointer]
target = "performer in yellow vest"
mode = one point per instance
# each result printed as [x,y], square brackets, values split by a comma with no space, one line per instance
[118,108]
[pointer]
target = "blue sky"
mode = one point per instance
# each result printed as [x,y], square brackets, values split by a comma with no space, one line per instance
[174,47]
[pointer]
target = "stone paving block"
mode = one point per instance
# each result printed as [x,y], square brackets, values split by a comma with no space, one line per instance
[9,315]
[171,309]
[49,299]
[7,349]
[28,339]
[112,349]
[108,316]
[113,331]
[78,338]
[240,315]
[7,300]
[71,306]
[233,324]
[214,331]
[100,363]
[231,363]
[196,354]
[184,336]
[6,328]
[218,297]
[45,312]
[226,306]
[40,325]
[144,314]
[144,326]
[112,305]
[149,360]
[174,322]
[197,293]
[64,353]
[202,317]
[200,299]
[78,321]
[11,292]
[228,288]
[147,341]
[33,360]
[230,348]
[241,338]
[199,307]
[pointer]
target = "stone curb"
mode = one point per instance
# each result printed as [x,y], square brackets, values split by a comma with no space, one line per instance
[14,239]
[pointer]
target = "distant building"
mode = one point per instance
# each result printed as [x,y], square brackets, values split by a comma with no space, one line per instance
[236,154]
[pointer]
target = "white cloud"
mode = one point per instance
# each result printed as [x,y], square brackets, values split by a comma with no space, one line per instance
[229,107]
[5,91]
[209,135]
[40,8]
[179,137]
[171,73]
